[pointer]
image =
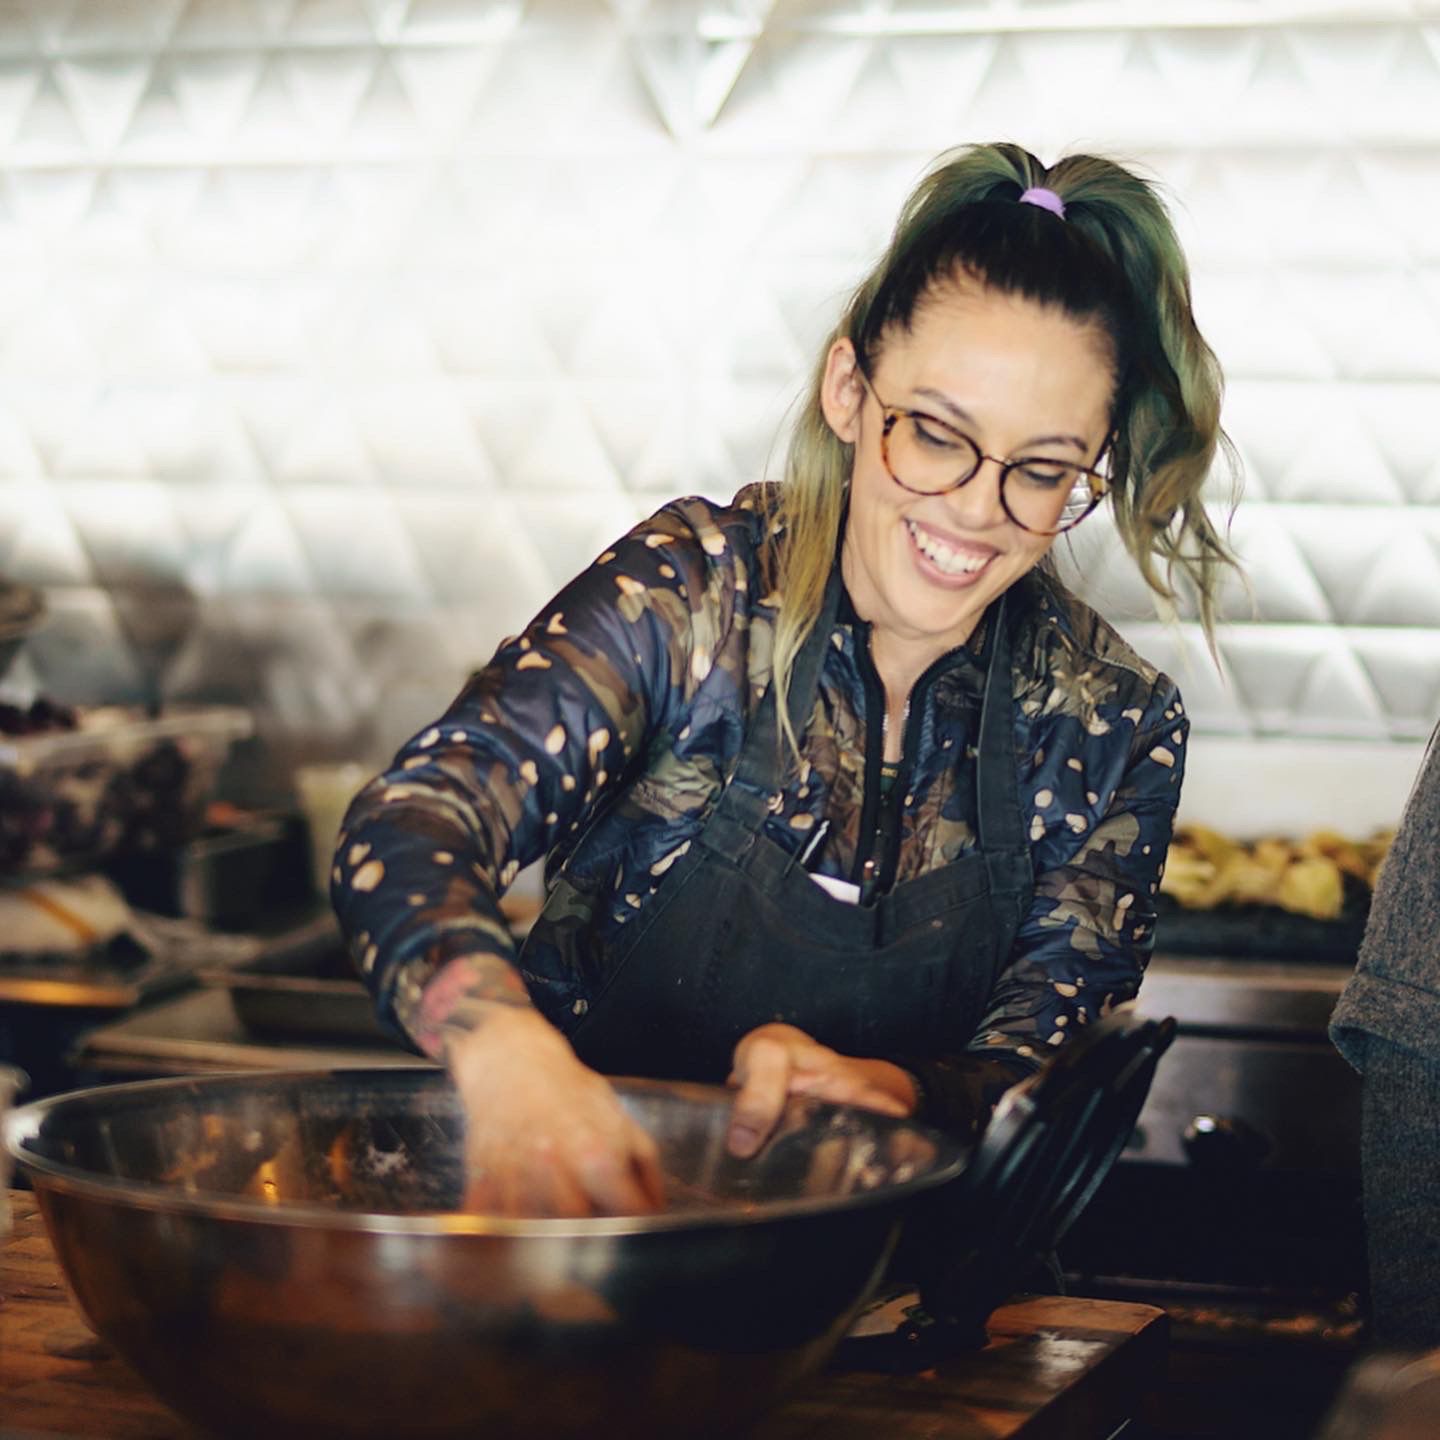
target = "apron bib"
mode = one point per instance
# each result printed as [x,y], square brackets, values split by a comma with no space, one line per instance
[740,935]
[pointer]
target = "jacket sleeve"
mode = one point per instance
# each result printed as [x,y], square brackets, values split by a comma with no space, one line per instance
[1083,946]
[535,741]
[1394,993]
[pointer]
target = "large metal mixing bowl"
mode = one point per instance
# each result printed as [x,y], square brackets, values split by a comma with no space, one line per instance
[284,1255]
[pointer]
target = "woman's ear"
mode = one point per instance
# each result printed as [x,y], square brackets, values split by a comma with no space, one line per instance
[842,391]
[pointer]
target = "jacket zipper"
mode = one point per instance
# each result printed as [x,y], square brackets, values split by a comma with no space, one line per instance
[877,856]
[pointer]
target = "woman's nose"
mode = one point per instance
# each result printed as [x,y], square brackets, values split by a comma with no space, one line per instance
[976,504]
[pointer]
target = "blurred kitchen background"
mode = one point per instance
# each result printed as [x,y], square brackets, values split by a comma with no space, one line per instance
[335,335]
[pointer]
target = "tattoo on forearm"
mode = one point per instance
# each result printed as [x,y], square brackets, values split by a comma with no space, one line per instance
[459,998]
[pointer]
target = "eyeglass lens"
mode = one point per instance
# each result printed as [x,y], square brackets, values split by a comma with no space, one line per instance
[1040,494]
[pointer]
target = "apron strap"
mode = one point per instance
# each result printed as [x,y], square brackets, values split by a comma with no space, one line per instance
[996,783]
[745,801]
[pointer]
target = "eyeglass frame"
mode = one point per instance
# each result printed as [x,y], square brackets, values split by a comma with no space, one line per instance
[892,413]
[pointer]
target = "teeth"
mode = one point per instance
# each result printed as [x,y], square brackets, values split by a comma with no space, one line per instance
[942,556]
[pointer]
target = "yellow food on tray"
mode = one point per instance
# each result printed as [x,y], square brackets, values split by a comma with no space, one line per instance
[1205,869]
[1312,885]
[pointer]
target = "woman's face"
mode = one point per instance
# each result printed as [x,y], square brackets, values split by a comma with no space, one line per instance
[1020,379]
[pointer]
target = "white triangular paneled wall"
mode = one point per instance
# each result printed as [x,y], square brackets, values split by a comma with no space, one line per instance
[335,334]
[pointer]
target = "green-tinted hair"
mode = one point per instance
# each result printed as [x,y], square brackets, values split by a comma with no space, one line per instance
[1115,261]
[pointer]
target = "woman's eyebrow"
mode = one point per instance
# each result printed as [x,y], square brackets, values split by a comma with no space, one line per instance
[1074,440]
[966,418]
[947,404]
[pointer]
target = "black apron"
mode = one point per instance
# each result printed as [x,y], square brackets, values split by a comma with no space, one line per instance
[739,934]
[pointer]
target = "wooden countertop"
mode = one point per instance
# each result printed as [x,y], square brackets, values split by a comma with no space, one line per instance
[1055,1369]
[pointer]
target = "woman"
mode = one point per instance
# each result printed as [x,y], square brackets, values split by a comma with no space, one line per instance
[841,793]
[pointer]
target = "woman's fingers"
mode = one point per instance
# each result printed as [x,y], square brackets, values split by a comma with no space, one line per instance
[614,1185]
[599,1174]
[508,1177]
[645,1157]
[845,1085]
[774,1062]
[847,1089]
[545,1135]
[614,1160]
[763,1068]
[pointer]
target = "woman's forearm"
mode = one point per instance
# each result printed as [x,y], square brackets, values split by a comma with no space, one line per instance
[459,999]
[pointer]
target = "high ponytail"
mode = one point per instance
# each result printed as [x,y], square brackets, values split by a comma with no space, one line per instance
[1168,434]
[1113,260]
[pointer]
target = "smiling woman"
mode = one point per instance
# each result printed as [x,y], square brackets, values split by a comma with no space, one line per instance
[929,540]
[840,792]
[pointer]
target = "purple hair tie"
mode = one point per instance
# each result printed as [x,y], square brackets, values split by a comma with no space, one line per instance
[1045,199]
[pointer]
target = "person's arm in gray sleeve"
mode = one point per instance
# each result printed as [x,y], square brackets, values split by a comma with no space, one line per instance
[1400,1166]
[1387,1024]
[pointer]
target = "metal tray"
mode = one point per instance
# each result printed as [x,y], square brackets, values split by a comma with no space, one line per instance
[1262,932]
[301,984]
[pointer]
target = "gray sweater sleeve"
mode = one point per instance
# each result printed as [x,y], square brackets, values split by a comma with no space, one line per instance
[1400,1163]
[1387,1024]
[1395,991]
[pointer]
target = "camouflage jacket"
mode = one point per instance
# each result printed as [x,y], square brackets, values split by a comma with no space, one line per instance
[625,703]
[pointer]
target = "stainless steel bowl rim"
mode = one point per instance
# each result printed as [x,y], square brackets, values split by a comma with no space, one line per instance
[24,1122]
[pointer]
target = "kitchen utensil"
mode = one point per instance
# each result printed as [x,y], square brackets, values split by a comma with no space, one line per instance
[1051,1142]
[284,1255]
[1048,1147]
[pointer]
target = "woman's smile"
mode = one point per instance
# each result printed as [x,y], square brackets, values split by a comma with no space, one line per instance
[947,559]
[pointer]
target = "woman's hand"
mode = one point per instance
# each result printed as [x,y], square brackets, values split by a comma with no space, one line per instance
[776,1061]
[544,1134]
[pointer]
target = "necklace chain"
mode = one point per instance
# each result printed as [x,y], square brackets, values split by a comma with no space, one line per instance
[885,719]
[885,711]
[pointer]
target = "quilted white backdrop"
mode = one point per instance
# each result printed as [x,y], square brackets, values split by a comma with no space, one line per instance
[335,334]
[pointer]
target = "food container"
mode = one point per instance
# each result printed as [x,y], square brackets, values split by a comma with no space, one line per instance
[120,782]
[325,793]
[244,864]
[285,1255]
